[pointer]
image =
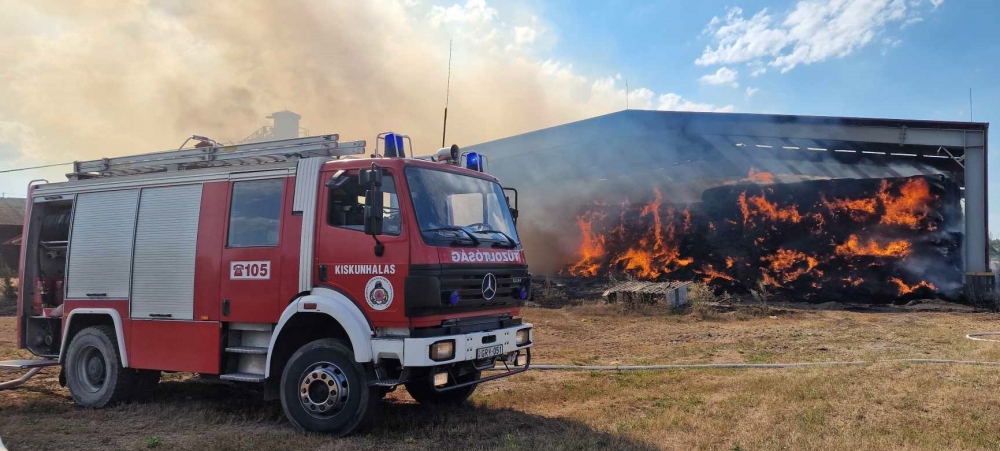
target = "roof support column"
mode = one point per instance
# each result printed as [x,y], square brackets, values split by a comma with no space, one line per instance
[976,246]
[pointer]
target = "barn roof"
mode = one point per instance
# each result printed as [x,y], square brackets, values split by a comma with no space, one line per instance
[11,211]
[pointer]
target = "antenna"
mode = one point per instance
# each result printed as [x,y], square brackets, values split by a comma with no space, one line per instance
[626,93]
[970,104]
[447,98]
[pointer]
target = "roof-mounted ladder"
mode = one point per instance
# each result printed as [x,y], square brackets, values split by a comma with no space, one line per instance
[220,155]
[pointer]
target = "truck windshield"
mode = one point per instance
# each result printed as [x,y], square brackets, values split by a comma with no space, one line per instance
[460,210]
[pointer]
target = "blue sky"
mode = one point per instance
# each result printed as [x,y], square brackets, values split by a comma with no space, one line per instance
[913,59]
[93,81]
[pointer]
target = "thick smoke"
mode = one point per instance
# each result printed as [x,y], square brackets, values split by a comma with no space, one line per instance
[94,79]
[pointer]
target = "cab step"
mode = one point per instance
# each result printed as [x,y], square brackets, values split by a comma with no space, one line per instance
[242,377]
[259,350]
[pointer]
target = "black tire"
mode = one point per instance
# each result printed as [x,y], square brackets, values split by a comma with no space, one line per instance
[145,385]
[422,390]
[324,390]
[94,372]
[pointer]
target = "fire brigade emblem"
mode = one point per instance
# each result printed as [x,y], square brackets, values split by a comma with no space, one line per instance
[378,293]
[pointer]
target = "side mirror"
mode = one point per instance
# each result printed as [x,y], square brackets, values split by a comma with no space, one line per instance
[372,180]
[513,207]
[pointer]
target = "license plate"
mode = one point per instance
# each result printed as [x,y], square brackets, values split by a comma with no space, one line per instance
[489,351]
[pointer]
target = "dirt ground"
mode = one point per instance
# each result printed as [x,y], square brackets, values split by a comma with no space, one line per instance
[887,405]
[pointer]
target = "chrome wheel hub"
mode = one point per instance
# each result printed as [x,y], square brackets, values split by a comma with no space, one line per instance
[323,389]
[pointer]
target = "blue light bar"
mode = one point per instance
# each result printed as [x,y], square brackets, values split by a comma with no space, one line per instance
[394,146]
[472,161]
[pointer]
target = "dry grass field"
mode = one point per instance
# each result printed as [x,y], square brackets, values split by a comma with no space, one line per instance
[881,406]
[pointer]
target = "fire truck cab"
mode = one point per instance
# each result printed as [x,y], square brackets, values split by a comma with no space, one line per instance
[327,278]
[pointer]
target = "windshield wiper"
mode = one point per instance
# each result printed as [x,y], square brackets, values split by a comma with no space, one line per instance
[475,241]
[509,239]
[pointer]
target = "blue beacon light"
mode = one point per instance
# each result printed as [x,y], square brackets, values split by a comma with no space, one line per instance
[472,161]
[454,298]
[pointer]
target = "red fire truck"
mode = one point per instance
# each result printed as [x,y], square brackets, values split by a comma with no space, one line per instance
[327,278]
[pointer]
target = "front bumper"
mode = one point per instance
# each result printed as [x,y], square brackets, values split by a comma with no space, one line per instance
[415,352]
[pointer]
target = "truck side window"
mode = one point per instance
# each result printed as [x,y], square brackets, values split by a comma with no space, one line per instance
[347,206]
[255,215]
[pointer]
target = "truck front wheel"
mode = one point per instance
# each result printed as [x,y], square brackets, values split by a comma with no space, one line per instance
[94,371]
[424,393]
[324,390]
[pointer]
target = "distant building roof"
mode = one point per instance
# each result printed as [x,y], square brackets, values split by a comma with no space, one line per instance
[11,211]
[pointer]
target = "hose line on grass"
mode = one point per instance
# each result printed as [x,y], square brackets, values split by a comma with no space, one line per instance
[707,366]
[978,336]
[702,366]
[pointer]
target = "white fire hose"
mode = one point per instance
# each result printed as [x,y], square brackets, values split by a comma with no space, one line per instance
[702,366]
[978,336]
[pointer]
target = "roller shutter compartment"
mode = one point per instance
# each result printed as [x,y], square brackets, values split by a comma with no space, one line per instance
[100,254]
[166,239]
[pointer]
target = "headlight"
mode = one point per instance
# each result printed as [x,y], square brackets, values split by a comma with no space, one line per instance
[523,336]
[443,350]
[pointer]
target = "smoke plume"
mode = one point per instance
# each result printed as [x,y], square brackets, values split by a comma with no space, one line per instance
[91,79]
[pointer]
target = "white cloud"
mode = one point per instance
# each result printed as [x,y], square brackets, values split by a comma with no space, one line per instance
[911,21]
[674,102]
[750,92]
[525,35]
[474,13]
[937,3]
[889,44]
[812,32]
[723,76]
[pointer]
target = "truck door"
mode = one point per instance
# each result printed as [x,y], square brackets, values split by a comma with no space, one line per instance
[251,256]
[345,256]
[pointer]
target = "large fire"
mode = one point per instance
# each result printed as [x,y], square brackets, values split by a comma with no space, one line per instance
[812,240]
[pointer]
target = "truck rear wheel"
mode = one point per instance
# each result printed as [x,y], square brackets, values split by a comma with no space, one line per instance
[424,393]
[94,372]
[324,390]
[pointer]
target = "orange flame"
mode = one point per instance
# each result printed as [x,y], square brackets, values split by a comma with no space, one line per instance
[853,247]
[760,177]
[759,206]
[591,248]
[788,264]
[711,273]
[858,210]
[854,282]
[910,207]
[905,289]
[656,251]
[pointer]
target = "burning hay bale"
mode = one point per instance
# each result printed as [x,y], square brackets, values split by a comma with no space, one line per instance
[880,240]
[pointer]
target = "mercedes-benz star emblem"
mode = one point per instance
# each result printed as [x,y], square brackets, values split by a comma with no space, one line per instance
[489,286]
